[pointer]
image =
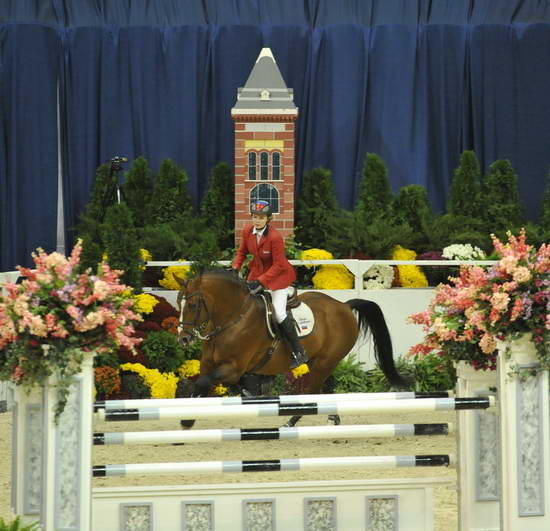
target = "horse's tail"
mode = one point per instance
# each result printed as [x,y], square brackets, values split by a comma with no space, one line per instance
[371,319]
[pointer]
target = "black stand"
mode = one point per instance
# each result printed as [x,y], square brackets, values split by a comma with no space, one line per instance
[113,189]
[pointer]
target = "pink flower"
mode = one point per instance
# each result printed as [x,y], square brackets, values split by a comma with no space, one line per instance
[18,374]
[487,343]
[521,274]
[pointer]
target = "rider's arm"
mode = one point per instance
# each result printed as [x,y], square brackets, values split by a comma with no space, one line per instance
[242,251]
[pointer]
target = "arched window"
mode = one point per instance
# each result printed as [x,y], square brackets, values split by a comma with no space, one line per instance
[264,166]
[252,165]
[266,192]
[276,166]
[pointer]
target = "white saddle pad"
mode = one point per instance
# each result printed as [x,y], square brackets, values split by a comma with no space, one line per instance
[304,319]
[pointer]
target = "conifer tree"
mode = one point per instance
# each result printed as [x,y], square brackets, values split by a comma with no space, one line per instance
[218,204]
[122,244]
[375,195]
[170,193]
[138,190]
[413,206]
[502,209]
[465,194]
[316,208]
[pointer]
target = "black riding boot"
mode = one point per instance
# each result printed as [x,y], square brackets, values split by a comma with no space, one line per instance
[298,355]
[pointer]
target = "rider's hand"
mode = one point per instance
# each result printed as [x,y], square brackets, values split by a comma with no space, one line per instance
[255,287]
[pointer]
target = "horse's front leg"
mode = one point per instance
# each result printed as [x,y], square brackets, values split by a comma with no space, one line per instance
[225,373]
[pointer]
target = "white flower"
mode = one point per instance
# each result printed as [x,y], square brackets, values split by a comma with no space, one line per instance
[464,251]
[379,276]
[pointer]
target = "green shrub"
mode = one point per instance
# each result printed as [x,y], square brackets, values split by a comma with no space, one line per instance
[316,209]
[465,193]
[544,216]
[448,229]
[163,351]
[17,525]
[133,386]
[502,207]
[122,246]
[412,207]
[138,190]
[170,195]
[375,195]
[218,205]
[434,373]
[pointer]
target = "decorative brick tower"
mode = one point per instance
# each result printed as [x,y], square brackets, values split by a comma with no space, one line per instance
[264,117]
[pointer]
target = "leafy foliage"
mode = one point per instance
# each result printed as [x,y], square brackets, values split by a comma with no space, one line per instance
[170,192]
[412,206]
[218,205]
[316,208]
[465,193]
[163,352]
[375,196]
[122,244]
[138,190]
[18,525]
[544,218]
[502,207]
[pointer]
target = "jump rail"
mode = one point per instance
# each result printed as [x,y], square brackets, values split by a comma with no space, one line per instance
[264,434]
[273,410]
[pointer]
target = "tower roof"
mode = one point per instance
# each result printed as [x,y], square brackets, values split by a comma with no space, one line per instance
[265,91]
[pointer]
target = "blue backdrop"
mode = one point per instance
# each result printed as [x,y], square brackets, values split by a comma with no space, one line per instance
[415,81]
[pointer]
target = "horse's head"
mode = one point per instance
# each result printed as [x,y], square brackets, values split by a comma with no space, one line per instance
[207,299]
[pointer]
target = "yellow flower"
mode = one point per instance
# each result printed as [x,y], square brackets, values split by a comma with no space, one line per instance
[162,385]
[333,277]
[411,276]
[145,303]
[315,254]
[189,369]
[220,390]
[145,255]
[169,282]
[299,371]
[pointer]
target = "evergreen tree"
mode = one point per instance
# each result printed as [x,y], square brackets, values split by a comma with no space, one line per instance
[412,206]
[170,193]
[465,193]
[502,208]
[138,190]
[218,204]
[544,217]
[316,208]
[122,244]
[375,195]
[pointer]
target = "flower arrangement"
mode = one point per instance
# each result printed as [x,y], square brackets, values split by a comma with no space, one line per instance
[145,256]
[162,385]
[482,306]
[107,381]
[332,276]
[315,254]
[464,251]
[378,276]
[190,369]
[56,314]
[411,276]
[169,282]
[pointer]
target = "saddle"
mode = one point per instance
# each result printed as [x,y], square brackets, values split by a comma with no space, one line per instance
[301,313]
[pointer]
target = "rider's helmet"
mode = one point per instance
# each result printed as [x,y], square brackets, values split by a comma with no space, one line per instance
[261,207]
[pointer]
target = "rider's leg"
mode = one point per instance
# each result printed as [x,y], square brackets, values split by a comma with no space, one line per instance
[288,328]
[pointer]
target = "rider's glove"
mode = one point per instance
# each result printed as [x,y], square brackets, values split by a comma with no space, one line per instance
[255,287]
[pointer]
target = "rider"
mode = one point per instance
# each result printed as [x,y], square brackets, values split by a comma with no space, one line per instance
[270,269]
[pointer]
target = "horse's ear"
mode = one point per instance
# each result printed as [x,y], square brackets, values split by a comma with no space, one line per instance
[180,280]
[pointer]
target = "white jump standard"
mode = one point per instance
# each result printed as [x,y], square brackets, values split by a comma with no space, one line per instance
[264,434]
[274,465]
[315,408]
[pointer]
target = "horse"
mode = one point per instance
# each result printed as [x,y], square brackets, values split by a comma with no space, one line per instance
[217,307]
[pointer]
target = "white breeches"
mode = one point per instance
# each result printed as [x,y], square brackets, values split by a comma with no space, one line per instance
[278,297]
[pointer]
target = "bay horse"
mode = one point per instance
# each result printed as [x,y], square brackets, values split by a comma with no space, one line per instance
[217,307]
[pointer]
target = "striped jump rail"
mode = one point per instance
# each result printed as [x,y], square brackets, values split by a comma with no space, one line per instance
[273,465]
[282,399]
[265,434]
[314,408]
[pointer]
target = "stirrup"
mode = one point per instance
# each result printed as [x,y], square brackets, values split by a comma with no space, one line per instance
[297,359]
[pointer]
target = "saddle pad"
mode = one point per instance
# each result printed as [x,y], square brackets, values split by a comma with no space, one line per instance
[304,319]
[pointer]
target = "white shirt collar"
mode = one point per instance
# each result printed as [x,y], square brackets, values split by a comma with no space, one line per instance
[258,232]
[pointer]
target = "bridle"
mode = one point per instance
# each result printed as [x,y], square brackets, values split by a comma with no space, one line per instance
[198,328]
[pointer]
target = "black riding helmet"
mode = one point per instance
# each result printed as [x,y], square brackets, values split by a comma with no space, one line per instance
[261,207]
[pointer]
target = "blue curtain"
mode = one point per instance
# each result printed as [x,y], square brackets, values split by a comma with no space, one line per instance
[29,60]
[415,81]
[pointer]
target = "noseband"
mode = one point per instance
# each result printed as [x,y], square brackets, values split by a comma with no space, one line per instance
[198,328]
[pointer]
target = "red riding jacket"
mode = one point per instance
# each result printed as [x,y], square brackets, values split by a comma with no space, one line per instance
[269,265]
